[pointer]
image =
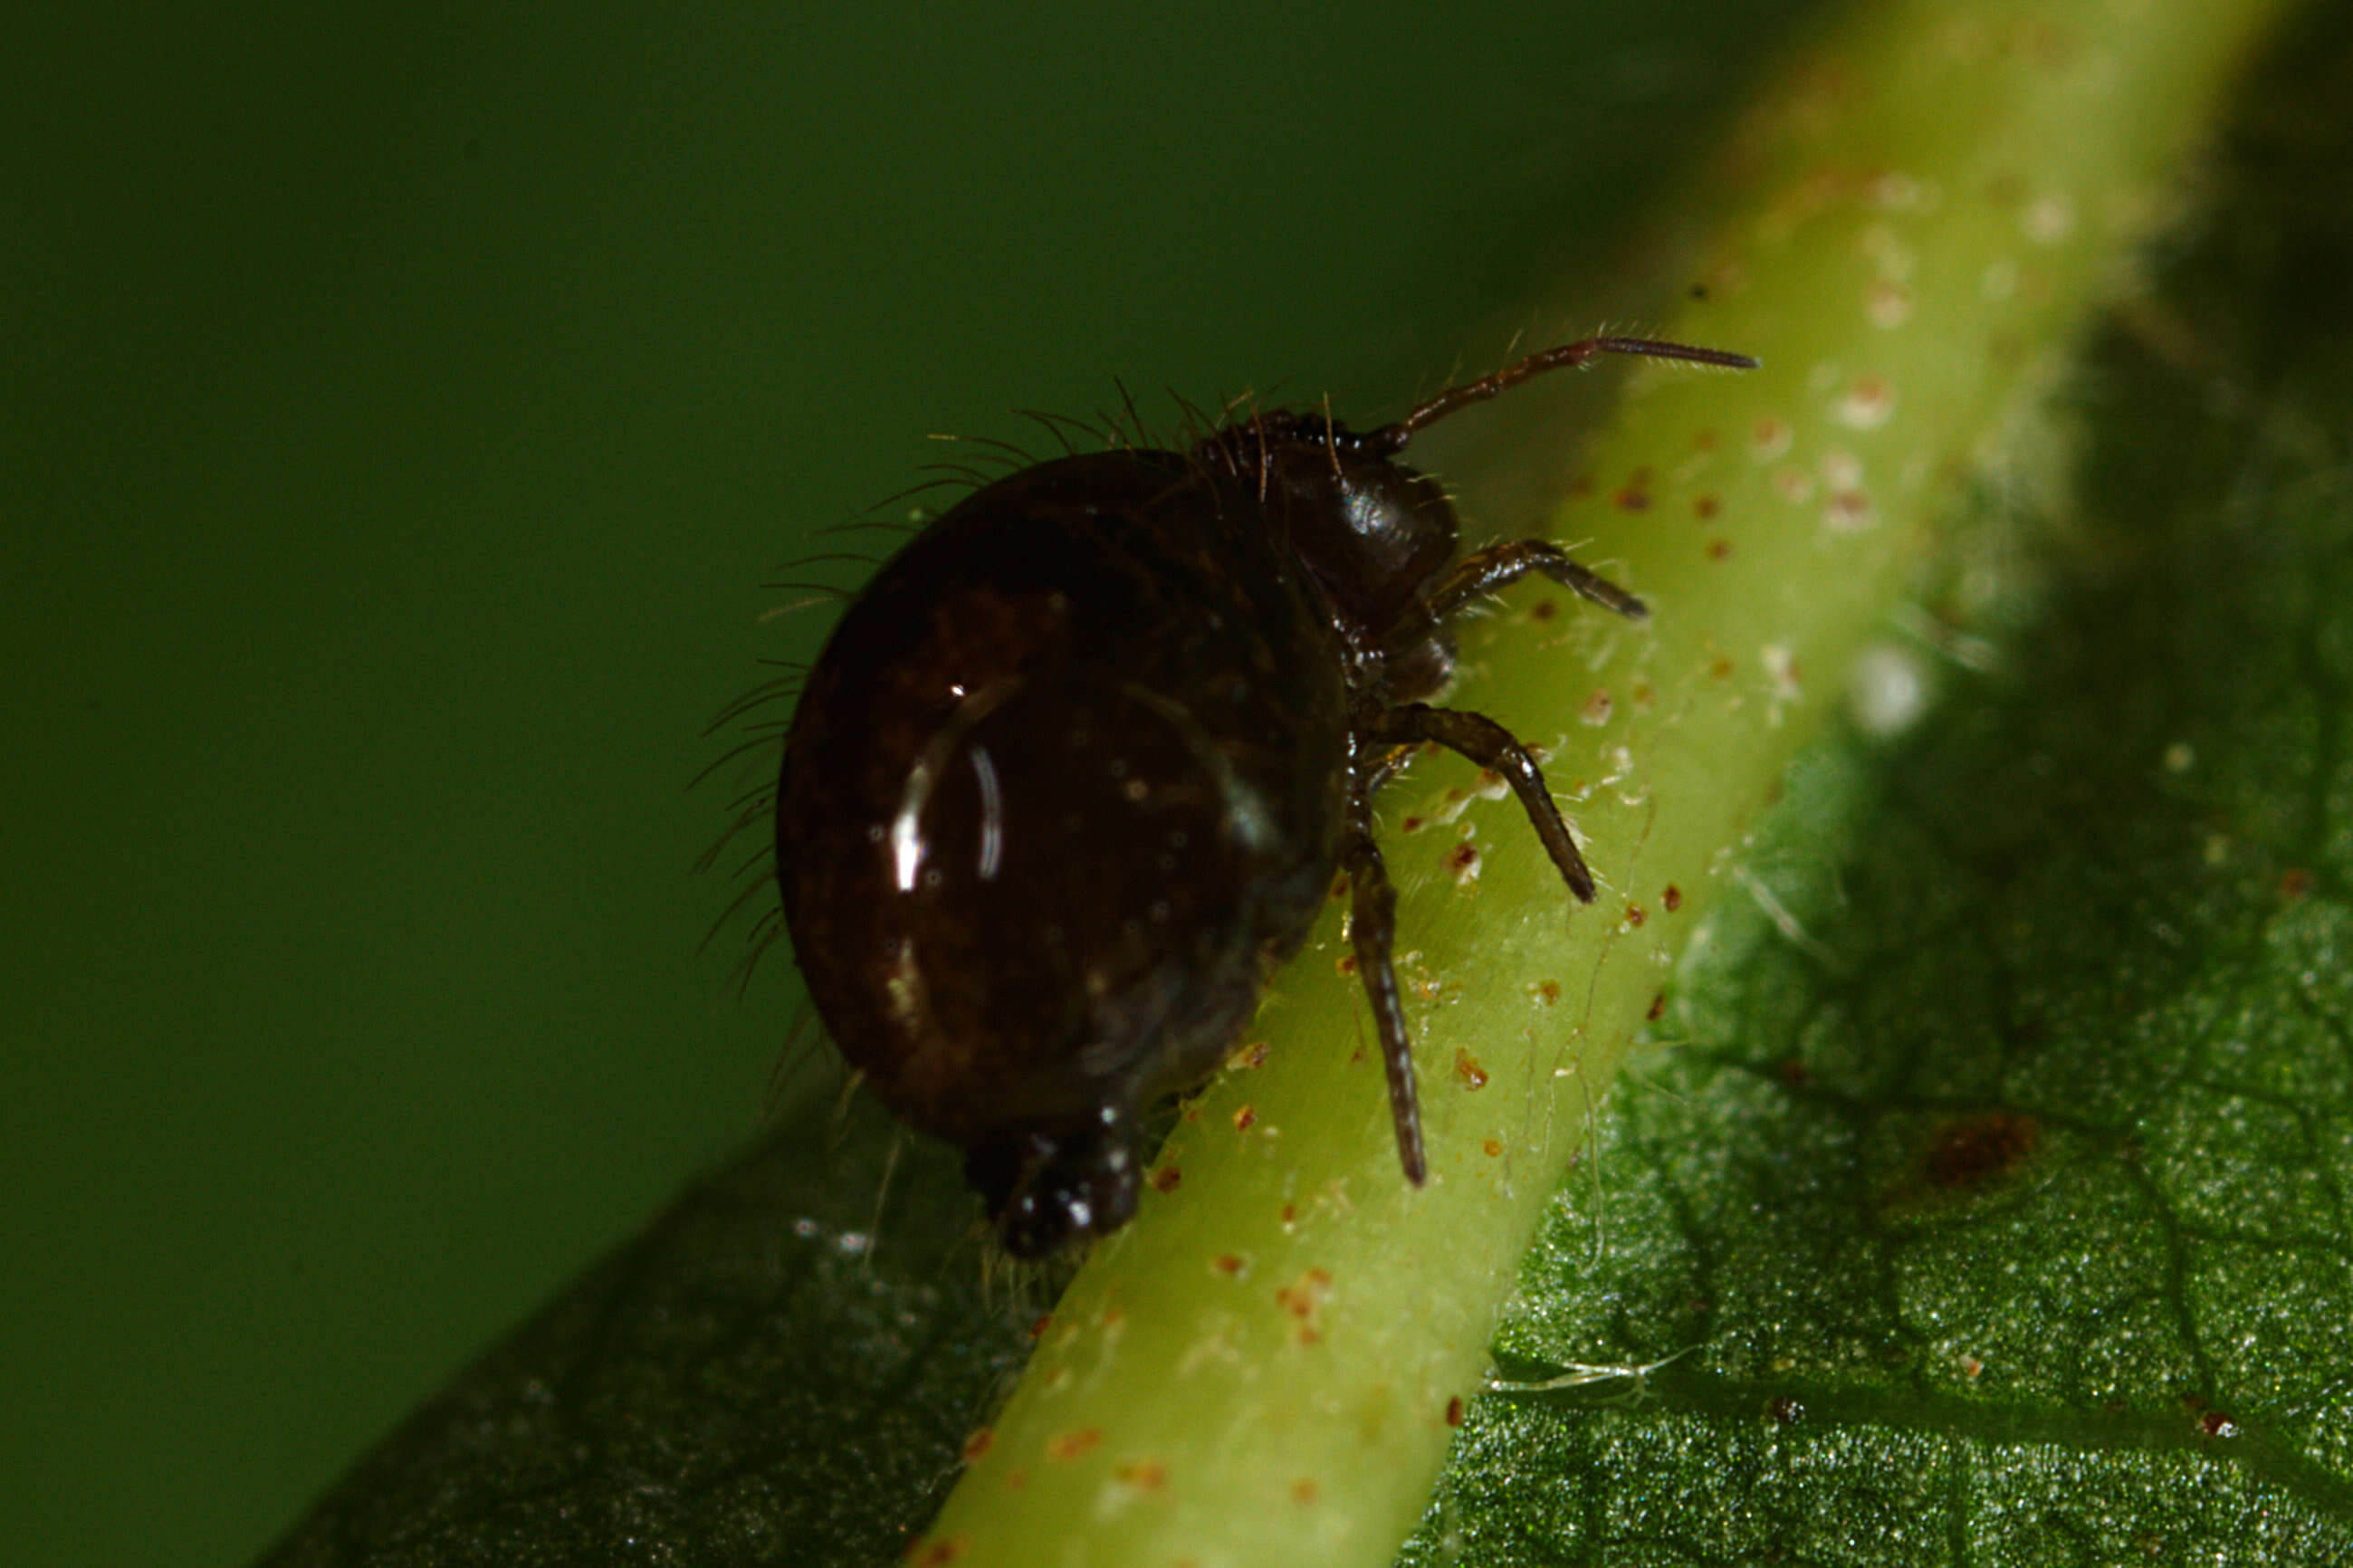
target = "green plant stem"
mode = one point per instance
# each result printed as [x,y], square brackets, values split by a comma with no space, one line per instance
[1913,226]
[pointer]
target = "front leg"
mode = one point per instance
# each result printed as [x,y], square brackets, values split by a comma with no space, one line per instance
[1490,745]
[1500,565]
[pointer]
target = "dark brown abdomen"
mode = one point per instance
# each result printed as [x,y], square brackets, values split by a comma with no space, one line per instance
[1068,776]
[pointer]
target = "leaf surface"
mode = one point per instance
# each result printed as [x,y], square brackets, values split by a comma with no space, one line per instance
[1987,1180]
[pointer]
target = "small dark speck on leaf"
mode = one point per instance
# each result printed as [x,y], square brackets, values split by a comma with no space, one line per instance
[1074,1445]
[1977,1151]
[1149,1475]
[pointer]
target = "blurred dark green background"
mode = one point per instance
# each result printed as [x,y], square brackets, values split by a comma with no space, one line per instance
[403,407]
